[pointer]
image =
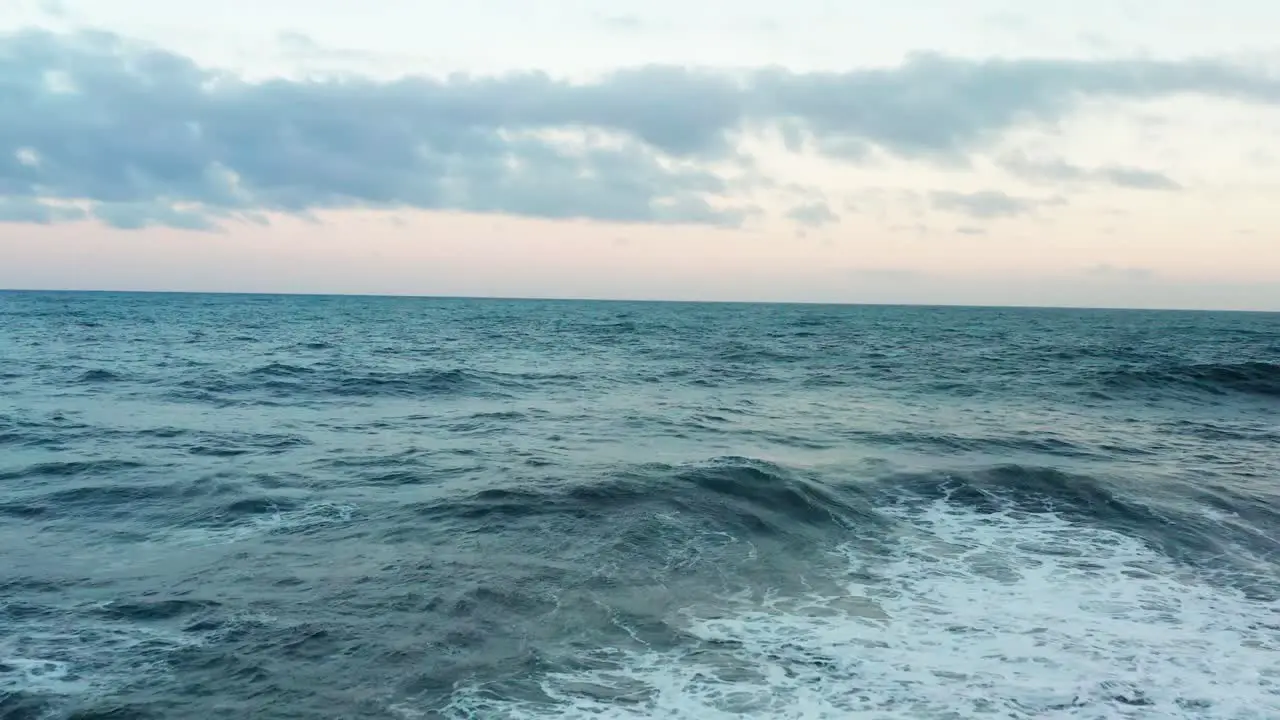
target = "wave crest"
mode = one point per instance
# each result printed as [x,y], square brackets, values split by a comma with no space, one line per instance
[729,492]
[1250,378]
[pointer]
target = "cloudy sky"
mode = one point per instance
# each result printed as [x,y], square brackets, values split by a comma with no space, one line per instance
[1102,152]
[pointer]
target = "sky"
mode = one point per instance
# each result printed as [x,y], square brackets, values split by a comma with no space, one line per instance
[1097,153]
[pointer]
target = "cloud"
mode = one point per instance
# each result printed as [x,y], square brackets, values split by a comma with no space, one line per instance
[1106,270]
[970,230]
[29,210]
[621,23]
[888,275]
[942,108]
[985,204]
[141,129]
[138,131]
[134,216]
[313,57]
[1009,22]
[54,8]
[814,214]
[302,45]
[1137,178]
[1062,171]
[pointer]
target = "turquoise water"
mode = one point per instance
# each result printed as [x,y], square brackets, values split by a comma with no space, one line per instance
[315,507]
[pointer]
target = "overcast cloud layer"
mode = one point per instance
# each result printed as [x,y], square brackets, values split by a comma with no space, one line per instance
[149,137]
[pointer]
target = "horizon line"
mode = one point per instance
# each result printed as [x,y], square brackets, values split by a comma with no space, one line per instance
[587,299]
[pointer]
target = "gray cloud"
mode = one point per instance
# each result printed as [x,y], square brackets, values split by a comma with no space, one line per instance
[970,230]
[985,204]
[1062,171]
[140,131]
[1138,179]
[30,210]
[942,108]
[137,215]
[813,214]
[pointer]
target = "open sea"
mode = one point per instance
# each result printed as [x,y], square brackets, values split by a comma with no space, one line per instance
[270,507]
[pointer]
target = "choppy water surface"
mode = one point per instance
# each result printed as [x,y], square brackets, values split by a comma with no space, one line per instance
[273,507]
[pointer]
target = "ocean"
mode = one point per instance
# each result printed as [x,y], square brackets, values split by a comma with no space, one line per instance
[221,506]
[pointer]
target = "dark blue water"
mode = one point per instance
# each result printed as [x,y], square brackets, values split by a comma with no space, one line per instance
[291,507]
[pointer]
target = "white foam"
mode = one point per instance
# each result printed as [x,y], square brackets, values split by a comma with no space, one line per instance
[42,676]
[1004,615]
[69,658]
[279,521]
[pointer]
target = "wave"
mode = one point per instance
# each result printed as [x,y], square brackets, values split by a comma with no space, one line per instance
[22,511]
[71,468]
[61,663]
[280,370]
[421,382]
[1248,378]
[749,498]
[761,492]
[1223,431]
[102,498]
[749,495]
[1039,443]
[285,382]
[99,376]
[249,517]
[51,432]
[1208,530]
[1018,488]
[167,437]
[754,499]
[236,444]
[1021,591]
[154,610]
[742,354]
